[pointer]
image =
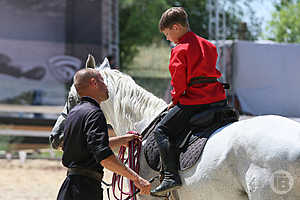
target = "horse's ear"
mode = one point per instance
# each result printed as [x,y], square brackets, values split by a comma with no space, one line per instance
[90,62]
[105,64]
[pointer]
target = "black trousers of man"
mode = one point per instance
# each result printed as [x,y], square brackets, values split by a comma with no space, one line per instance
[77,187]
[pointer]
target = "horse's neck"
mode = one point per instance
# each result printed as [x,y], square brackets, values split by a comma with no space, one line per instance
[129,104]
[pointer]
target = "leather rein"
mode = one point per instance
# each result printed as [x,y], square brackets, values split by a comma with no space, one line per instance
[132,160]
[133,156]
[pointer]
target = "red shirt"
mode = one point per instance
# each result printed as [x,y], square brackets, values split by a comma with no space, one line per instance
[193,57]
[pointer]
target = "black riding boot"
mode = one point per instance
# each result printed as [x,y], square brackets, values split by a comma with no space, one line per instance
[169,159]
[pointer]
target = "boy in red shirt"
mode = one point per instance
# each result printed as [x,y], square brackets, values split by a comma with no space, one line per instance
[195,89]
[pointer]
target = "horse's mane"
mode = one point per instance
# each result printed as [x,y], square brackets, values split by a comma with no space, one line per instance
[128,103]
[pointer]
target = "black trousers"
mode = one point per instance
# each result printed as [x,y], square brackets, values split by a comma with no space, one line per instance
[177,119]
[77,187]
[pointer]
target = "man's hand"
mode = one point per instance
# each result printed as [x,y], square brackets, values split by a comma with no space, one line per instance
[143,185]
[129,137]
[115,165]
[171,105]
[123,140]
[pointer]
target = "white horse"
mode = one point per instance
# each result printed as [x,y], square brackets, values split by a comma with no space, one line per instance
[255,159]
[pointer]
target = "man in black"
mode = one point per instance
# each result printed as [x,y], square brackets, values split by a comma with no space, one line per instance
[87,148]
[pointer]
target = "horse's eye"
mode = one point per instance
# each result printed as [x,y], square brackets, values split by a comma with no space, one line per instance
[71,99]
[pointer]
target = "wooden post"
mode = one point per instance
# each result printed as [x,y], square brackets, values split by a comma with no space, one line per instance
[243,31]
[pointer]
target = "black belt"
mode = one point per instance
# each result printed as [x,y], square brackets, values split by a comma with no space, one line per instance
[85,172]
[202,79]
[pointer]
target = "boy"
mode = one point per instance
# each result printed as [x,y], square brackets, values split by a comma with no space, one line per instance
[195,89]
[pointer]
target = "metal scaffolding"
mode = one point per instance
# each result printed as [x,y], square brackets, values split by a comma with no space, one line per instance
[217,31]
[217,21]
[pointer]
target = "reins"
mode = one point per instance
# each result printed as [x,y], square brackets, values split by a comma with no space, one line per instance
[133,156]
[132,160]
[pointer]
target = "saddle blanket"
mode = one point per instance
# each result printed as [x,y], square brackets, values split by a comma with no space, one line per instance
[188,155]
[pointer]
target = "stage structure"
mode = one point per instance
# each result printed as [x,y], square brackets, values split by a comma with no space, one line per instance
[43,43]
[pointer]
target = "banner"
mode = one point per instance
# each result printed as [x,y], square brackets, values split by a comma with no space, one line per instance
[266,78]
[33,66]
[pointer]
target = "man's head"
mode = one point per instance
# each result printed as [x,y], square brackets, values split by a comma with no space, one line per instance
[174,23]
[89,82]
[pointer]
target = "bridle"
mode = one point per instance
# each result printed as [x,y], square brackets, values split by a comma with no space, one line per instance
[68,108]
[65,115]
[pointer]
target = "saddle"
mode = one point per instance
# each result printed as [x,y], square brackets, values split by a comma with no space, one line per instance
[190,143]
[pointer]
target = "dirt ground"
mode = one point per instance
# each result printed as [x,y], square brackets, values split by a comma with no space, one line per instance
[33,180]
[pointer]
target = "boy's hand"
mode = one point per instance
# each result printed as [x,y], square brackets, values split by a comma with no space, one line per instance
[171,105]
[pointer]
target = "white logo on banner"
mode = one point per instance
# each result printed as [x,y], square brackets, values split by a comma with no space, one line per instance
[63,68]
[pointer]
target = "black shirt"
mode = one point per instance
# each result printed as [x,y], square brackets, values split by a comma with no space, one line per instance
[85,137]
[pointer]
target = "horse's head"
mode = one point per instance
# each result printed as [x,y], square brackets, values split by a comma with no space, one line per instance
[128,104]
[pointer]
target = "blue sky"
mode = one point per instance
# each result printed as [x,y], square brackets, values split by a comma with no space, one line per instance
[264,9]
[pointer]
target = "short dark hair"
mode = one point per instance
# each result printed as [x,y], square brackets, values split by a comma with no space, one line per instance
[174,15]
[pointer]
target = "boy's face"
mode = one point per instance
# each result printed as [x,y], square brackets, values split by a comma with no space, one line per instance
[173,34]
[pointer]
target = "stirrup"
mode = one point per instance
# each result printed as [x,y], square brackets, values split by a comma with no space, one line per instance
[161,196]
[166,191]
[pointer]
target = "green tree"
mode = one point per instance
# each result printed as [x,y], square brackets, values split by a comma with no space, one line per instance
[234,10]
[285,23]
[235,14]
[282,3]
[138,21]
